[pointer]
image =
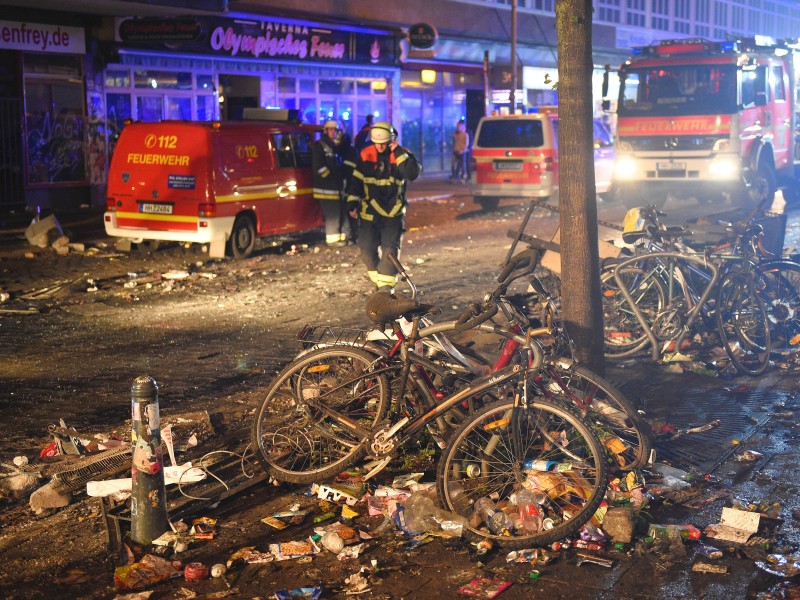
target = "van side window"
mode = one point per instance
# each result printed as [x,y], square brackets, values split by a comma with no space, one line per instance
[283,149]
[293,149]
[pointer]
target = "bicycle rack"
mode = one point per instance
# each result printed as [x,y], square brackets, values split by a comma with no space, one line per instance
[692,316]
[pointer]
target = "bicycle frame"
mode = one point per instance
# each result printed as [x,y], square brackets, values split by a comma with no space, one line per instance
[693,314]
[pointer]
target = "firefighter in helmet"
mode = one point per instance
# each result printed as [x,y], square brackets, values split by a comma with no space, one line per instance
[326,163]
[377,193]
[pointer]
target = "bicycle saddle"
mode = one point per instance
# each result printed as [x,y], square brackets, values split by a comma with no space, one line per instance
[383,307]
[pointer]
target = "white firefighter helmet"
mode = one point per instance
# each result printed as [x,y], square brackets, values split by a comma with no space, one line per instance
[382,133]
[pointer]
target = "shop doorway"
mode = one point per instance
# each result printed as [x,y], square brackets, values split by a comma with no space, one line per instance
[239,92]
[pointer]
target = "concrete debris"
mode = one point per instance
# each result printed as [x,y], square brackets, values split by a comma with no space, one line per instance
[41,233]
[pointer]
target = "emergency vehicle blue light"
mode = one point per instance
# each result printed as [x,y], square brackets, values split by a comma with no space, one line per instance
[637,50]
[533,109]
[727,46]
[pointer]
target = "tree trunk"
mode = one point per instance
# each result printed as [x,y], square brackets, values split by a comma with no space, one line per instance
[580,267]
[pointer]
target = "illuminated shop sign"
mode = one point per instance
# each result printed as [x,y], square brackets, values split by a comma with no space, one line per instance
[36,37]
[252,39]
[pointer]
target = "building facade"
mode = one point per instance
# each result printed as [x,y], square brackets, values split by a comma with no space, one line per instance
[69,80]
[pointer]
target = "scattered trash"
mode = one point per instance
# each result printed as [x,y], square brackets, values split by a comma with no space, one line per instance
[709,551]
[248,555]
[149,570]
[701,567]
[596,560]
[203,528]
[782,565]
[304,593]
[734,526]
[663,532]
[749,455]
[297,549]
[195,571]
[484,587]
[332,542]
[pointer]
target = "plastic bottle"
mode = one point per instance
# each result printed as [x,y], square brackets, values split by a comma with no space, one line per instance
[492,515]
[528,502]
[668,471]
[458,497]
[663,532]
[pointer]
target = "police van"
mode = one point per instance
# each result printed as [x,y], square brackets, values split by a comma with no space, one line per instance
[220,183]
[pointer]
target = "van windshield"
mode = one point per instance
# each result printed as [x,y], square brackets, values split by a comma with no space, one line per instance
[511,133]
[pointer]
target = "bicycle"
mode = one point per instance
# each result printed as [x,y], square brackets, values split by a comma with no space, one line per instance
[560,379]
[330,408]
[659,294]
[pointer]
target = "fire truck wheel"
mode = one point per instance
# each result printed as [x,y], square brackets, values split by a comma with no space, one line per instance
[762,187]
[488,203]
[243,237]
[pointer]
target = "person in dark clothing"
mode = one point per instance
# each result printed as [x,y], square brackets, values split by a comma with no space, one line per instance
[377,191]
[348,157]
[362,137]
[328,183]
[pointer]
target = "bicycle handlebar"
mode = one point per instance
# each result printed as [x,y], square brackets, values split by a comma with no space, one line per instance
[474,315]
[524,262]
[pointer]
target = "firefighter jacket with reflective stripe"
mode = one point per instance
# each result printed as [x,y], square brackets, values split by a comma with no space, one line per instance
[379,181]
[327,169]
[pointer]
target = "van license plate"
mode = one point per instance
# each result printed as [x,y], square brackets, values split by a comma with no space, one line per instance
[671,166]
[155,208]
[508,165]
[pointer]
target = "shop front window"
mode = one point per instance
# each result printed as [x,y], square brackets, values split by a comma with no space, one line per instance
[149,108]
[166,80]
[55,114]
[206,108]
[179,108]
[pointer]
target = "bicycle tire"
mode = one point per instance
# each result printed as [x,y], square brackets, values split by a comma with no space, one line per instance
[781,294]
[623,334]
[480,460]
[742,322]
[298,444]
[616,422]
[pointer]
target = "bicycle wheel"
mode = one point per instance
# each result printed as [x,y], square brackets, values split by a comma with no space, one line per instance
[625,435]
[743,323]
[488,456]
[622,331]
[298,443]
[781,294]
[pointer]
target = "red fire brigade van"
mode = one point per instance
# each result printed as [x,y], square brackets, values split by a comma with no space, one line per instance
[697,119]
[220,183]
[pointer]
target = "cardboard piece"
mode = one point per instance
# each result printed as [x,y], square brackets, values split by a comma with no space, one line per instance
[735,526]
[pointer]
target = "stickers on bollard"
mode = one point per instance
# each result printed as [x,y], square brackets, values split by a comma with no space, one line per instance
[145,458]
[151,411]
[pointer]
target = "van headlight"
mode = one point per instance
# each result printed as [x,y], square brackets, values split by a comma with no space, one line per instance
[624,168]
[724,168]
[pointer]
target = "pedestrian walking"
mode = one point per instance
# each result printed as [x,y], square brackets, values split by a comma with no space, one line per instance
[326,163]
[458,163]
[362,137]
[377,191]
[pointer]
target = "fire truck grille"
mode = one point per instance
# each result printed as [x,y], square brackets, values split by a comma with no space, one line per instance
[672,143]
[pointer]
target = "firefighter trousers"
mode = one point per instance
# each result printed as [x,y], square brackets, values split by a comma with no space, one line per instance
[337,225]
[378,239]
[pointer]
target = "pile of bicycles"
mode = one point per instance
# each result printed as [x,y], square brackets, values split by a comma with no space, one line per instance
[666,292]
[528,419]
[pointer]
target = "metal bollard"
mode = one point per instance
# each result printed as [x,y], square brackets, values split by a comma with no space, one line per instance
[148,495]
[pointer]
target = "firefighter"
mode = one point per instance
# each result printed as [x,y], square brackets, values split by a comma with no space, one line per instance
[329,184]
[377,192]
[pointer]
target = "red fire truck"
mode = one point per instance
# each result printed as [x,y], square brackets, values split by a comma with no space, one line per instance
[710,120]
